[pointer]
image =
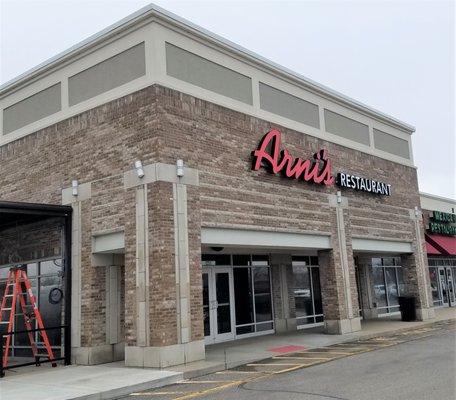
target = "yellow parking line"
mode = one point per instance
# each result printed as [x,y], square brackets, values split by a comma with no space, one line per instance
[154,393]
[283,371]
[228,371]
[303,358]
[208,391]
[328,352]
[374,344]
[354,349]
[271,364]
[205,382]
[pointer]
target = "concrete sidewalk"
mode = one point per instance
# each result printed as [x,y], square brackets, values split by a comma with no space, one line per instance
[104,381]
[232,354]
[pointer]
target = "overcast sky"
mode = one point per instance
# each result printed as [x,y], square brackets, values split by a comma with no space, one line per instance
[396,56]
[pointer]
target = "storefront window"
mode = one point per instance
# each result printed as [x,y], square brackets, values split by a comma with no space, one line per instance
[243,295]
[307,291]
[215,259]
[433,276]
[262,284]
[388,282]
[252,294]
[302,291]
[442,279]
[241,259]
[379,286]
[222,290]
[207,326]
[376,262]
[391,289]
[260,260]
[400,280]
[318,303]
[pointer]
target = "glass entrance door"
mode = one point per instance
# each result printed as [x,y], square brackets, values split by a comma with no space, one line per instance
[450,280]
[307,291]
[443,286]
[218,304]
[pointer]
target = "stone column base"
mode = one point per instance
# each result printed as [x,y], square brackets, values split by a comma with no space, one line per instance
[283,325]
[341,326]
[370,313]
[97,354]
[164,356]
[423,314]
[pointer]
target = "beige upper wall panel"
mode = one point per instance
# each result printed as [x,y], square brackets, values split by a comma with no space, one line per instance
[346,127]
[288,106]
[109,74]
[198,71]
[33,108]
[155,36]
[391,144]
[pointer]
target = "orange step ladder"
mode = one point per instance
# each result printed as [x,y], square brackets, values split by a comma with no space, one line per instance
[18,280]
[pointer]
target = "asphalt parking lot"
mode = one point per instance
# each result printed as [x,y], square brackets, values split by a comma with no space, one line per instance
[411,364]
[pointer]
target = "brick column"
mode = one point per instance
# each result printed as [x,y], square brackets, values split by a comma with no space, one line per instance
[284,311]
[416,271]
[167,328]
[90,303]
[88,289]
[337,269]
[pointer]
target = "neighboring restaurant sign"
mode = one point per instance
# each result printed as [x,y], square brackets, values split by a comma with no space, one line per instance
[270,155]
[441,223]
[273,158]
[364,184]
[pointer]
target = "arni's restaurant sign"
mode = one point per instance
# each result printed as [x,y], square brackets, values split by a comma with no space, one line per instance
[318,169]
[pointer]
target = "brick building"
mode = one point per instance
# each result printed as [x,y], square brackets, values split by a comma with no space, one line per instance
[439,220]
[215,195]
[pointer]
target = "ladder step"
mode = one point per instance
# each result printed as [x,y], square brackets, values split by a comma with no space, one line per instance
[4,322]
[6,309]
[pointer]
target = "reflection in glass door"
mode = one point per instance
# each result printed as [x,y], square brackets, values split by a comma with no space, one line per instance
[388,280]
[435,287]
[443,286]
[218,304]
[307,291]
[450,282]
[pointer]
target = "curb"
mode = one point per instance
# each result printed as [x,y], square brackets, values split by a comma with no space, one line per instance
[116,393]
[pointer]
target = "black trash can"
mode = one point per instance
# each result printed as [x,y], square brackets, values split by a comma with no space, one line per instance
[407,308]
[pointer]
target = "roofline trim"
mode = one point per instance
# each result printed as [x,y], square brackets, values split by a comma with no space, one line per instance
[433,196]
[152,11]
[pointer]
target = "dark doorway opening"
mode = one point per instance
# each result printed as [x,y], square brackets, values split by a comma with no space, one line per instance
[36,238]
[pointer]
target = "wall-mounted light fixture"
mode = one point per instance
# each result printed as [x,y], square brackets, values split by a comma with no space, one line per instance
[74,187]
[417,212]
[339,197]
[180,167]
[139,168]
